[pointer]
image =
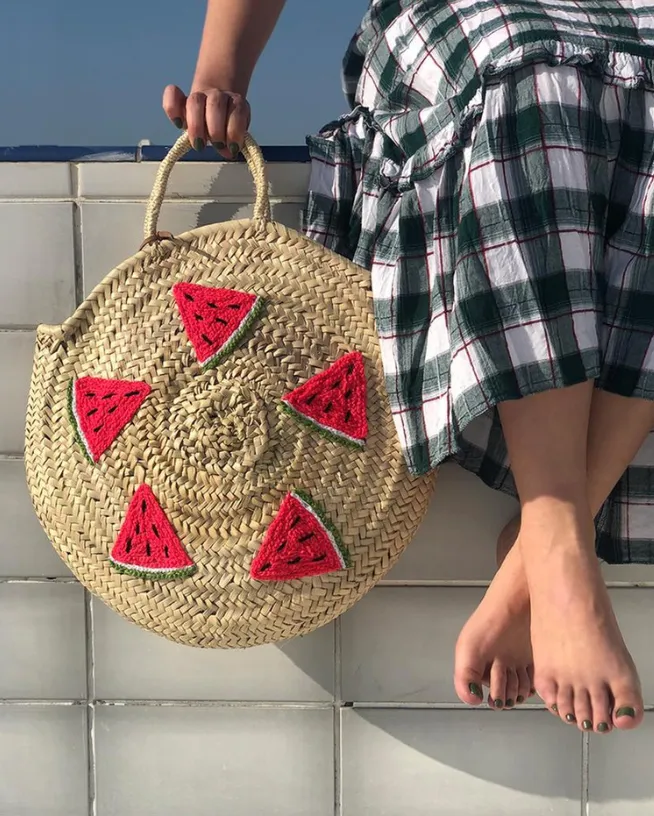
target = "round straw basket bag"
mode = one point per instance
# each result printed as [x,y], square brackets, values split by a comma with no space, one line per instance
[209,444]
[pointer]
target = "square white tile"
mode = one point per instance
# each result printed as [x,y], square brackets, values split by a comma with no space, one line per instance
[24,548]
[398,644]
[38,269]
[16,355]
[458,536]
[206,761]
[35,180]
[42,641]
[131,663]
[43,761]
[621,782]
[635,612]
[459,763]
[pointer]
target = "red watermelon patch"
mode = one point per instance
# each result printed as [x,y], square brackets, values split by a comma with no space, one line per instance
[334,401]
[147,545]
[99,409]
[299,543]
[215,320]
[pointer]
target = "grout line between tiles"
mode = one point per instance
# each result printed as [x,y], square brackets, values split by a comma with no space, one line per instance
[585,774]
[57,579]
[78,253]
[338,730]
[90,704]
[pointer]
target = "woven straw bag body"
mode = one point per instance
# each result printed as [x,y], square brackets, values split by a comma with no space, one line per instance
[211,443]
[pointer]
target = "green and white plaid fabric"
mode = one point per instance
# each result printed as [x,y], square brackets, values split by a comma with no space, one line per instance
[496,174]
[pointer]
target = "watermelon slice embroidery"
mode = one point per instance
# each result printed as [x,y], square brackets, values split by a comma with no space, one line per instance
[147,546]
[299,543]
[99,409]
[334,401]
[215,320]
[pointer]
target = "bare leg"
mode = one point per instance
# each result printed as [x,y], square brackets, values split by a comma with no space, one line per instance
[582,664]
[496,638]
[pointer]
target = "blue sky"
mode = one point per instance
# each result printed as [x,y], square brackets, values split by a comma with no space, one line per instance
[75,72]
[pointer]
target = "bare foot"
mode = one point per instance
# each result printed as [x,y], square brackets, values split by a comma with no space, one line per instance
[494,647]
[583,670]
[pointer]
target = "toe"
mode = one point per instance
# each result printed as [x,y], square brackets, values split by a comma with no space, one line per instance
[498,685]
[602,721]
[583,710]
[548,692]
[524,686]
[468,685]
[628,706]
[512,686]
[565,704]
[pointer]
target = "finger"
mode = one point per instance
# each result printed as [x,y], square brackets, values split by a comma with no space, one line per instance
[238,121]
[195,120]
[174,104]
[216,118]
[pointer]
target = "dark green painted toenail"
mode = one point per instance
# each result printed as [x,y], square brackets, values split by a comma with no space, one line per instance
[219,145]
[555,708]
[498,703]
[626,711]
[509,703]
[570,718]
[602,727]
[586,725]
[532,692]
[178,123]
[474,689]
[198,144]
[520,699]
[234,148]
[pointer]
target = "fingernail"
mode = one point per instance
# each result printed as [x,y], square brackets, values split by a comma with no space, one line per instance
[509,703]
[178,123]
[586,725]
[234,148]
[626,711]
[198,144]
[570,718]
[219,145]
[520,699]
[474,689]
[498,703]
[555,708]
[602,727]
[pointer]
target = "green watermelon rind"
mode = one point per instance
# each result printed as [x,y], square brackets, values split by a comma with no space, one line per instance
[327,433]
[307,502]
[153,574]
[235,339]
[72,415]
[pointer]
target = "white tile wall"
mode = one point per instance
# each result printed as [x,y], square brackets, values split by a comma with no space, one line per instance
[359,718]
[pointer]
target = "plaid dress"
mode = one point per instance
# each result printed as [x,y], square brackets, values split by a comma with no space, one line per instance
[496,175]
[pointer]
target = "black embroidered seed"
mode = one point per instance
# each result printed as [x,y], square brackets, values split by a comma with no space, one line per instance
[99,428]
[108,396]
[92,411]
[138,528]
[294,560]
[296,521]
[206,339]
[128,545]
[166,551]
[89,394]
[199,317]
[155,531]
[144,506]
[148,549]
[264,567]
[234,306]
[320,557]
[189,297]
[220,320]
[111,410]
[212,305]
[281,547]
[337,384]
[348,393]
[306,537]
[328,407]
[350,368]
[310,399]
[132,394]
[348,416]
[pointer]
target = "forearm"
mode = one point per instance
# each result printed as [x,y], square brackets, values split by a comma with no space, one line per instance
[235,34]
